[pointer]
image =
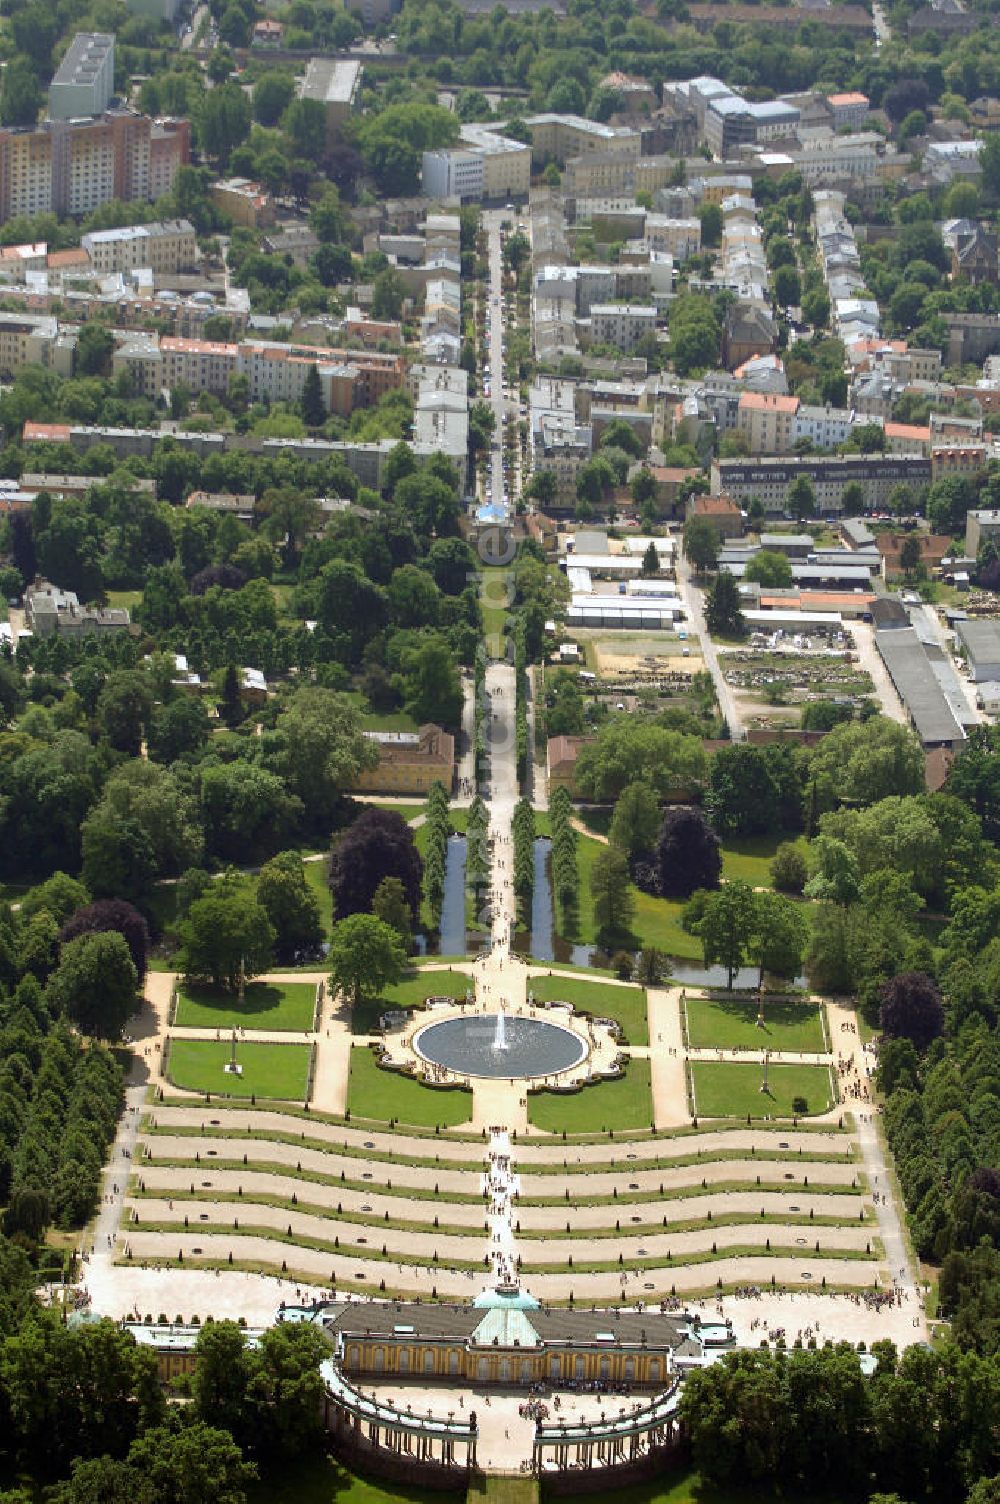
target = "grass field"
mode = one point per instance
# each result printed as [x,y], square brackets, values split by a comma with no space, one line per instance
[316,880]
[269,1070]
[750,859]
[411,992]
[268,1005]
[731,1023]
[322,1480]
[374,1093]
[733,1090]
[657,920]
[625,1103]
[626,1004]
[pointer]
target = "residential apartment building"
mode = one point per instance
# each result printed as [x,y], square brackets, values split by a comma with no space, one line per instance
[557,138]
[621,324]
[677,238]
[34,340]
[487,165]
[85,79]
[825,427]
[848,110]
[246,203]
[164,246]
[336,84]
[769,478]
[71,167]
[767,420]
[275,372]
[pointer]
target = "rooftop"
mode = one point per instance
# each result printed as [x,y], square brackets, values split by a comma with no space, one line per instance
[84,58]
[330,80]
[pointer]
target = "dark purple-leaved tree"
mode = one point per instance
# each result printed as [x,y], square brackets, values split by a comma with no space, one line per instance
[112,914]
[378,845]
[911,1008]
[688,855]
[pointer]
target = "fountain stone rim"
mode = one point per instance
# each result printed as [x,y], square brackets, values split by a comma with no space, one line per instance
[511,1018]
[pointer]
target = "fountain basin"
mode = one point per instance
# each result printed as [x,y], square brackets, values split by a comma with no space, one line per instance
[531,1046]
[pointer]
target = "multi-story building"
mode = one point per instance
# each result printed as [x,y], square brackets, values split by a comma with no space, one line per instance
[486,165]
[768,422]
[848,110]
[71,167]
[557,138]
[826,427]
[336,84]
[770,477]
[679,238]
[165,246]
[981,527]
[621,324]
[33,340]
[246,203]
[85,79]
[49,611]
[275,372]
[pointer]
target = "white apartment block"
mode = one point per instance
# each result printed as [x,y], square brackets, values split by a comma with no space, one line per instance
[826,427]
[487,165]
[165,246]
[85,79]
[839,157]
[456,172]
[621,324]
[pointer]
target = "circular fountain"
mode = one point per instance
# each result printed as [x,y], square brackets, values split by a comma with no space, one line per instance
[499,1044]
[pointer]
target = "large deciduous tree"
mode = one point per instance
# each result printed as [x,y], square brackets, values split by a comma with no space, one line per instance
[95,984]
[112,914]
[365,955]
[725,927]
[688,855]
[910,1007]
[379,844]
[226,934]
[291,907]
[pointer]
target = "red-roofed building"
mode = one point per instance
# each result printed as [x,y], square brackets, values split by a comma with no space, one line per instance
[768,421]
[724,515]
[848,109]
[45,433]
[907,438]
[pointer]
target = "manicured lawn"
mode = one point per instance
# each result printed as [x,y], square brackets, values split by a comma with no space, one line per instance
[389,720]
[411,992]
[268,1005]
[657,920]
[374,1093]
[731,1023]
[624,1103]
[317,880]
[658,923]
[626,1004]
[733,1090]
[269,1070]
[750,859]
[322,1480]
